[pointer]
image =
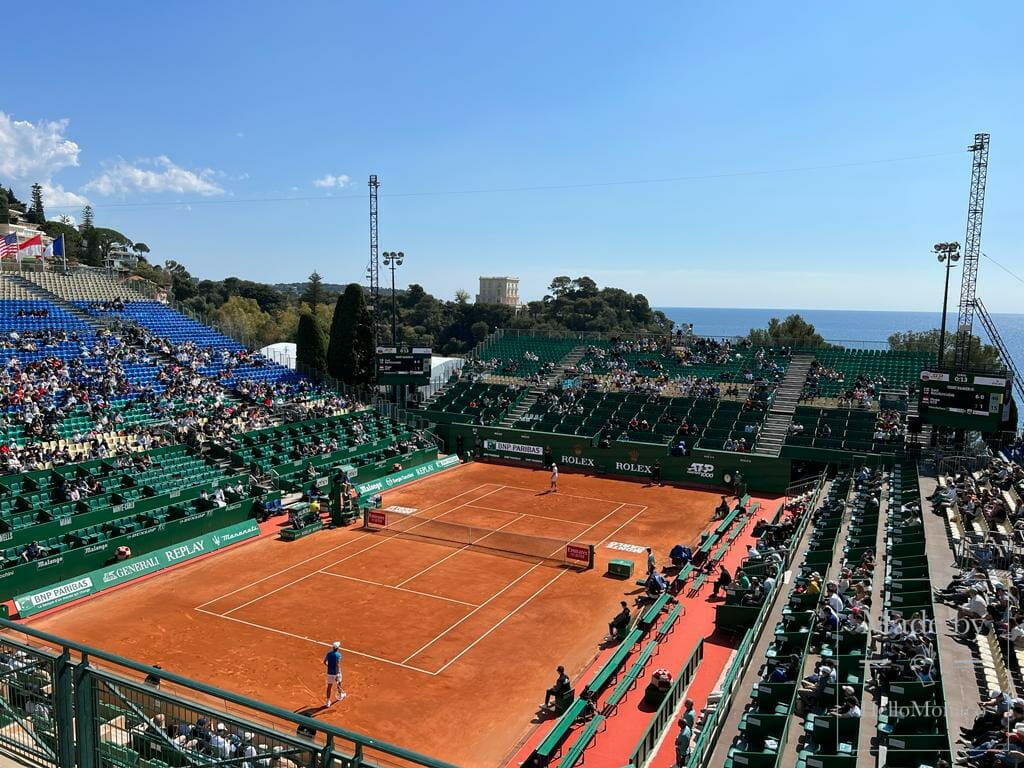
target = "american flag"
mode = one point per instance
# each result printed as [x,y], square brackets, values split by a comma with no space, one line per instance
[9,245]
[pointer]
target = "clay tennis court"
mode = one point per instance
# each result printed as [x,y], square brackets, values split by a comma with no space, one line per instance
[447,649]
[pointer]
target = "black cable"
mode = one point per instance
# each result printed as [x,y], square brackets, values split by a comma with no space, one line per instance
[504,190]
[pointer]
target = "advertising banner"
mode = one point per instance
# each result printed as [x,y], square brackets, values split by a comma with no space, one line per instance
[118,573]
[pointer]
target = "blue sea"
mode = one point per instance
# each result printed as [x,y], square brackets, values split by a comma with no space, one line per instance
[851,328]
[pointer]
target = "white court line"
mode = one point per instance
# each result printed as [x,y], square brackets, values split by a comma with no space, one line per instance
[539,491]
[317,642]
[327,551]
[634,517]
[505,618]
[557,576]
[349,557]
[460,549]
[399,588]
[503,590]
[526,514]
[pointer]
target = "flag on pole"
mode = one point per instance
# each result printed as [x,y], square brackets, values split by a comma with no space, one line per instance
[56,248]
[9,245]
[34,245]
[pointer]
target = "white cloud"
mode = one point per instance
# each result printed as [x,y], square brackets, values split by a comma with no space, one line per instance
[55,196]
[34,151]
[330,180]
[65,218]
[157,174]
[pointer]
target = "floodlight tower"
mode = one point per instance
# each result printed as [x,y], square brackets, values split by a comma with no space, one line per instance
[972,249]
[373,270]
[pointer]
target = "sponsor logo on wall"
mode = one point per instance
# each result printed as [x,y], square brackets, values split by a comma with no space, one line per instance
[701,470]
[498,445]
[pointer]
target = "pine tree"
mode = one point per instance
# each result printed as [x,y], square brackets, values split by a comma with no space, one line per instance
[314,294]
[86,220]
[310,346]
[350,353]
[5,214]
[37,204]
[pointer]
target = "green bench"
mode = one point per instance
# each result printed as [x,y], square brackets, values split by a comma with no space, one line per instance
[650,616]
[582,742]
[676,585]
[669,623]
[547,748]
[630,678]
[610,667]
[698,583]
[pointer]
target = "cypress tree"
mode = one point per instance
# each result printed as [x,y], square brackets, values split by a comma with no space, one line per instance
[350,354]
[310,346]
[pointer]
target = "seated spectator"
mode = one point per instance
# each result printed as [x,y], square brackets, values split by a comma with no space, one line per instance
[33,552]
[722,582]
[561,688]
[618,625]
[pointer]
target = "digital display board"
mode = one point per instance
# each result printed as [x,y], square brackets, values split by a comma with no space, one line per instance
[403,365]
[973,401]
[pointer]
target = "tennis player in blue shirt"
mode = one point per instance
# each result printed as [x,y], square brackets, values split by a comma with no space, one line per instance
[333,663]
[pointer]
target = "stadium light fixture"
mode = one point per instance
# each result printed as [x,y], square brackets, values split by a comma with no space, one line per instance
[392,260]
[947,254]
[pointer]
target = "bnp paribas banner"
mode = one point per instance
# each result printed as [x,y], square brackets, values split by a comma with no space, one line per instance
[118,573]
[406,475]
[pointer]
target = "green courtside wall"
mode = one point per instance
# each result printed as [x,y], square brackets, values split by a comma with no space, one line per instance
[87,516]
[702,467]
[71,564]
[363,475]
[836,456]
[396,479]
[118,573]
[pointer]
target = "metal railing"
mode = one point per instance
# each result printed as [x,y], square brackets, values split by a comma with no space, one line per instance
[68,704]
[651,737]
[703,746]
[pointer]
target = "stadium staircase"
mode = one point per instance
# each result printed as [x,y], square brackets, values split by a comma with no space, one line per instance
[551,380]
[784,403]
[522,409]
[572,359]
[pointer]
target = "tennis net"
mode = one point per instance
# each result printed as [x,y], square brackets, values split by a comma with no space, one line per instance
[557,551]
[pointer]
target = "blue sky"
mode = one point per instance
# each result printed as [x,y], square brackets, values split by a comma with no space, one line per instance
[173,123]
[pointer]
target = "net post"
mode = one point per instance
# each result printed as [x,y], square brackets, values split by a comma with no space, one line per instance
[366,518]
[591,565]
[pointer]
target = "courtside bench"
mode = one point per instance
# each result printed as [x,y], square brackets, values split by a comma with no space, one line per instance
[611,667]
[548,748]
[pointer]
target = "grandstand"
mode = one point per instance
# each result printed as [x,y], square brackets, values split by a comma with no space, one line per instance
[137,440]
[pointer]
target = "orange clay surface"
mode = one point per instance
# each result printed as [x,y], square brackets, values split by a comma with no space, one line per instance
[446,650]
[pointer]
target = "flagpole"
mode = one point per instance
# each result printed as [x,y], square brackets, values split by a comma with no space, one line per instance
[64,253]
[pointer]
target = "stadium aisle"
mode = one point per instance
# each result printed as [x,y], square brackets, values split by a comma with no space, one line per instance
[612,747]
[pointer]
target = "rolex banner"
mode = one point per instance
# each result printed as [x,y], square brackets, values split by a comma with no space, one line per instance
[118,573]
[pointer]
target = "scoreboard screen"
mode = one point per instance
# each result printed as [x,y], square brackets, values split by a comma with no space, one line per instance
[971,401]
[403,365]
